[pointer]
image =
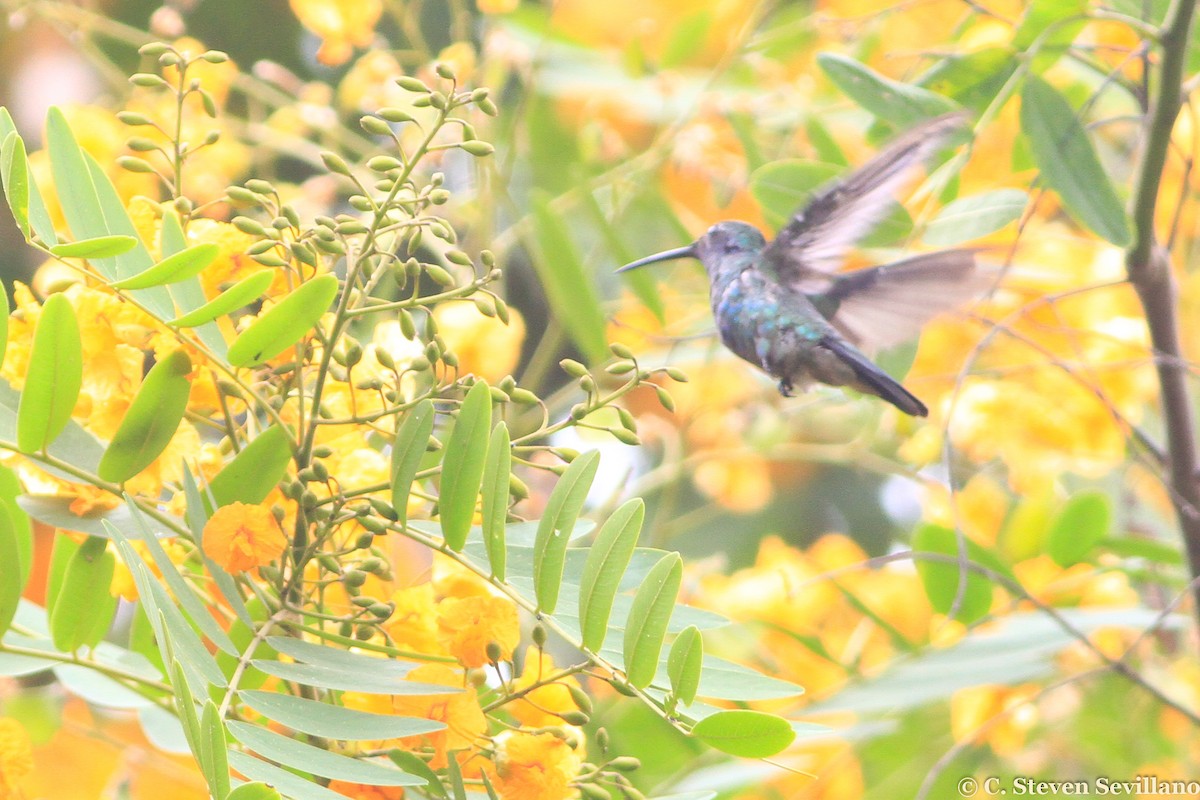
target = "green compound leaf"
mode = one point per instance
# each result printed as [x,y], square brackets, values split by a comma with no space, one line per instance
[748,734]
[901,104]
[242,293]
[944,582]
[151,420]
[285,323]
[496,478]
[606,563]
[685,663]
[335,722]
[317,760]
[1083,523]
[1068,163]
[462,465]
[556,525]
[84,607]
[255,471]
[14,582]
[978,215]
[98,247]
[412,440]
[214,762]
[646,627]
[178,267]
[54,378]
[14,171]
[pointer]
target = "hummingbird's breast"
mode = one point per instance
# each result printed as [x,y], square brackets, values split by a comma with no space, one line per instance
[768,325]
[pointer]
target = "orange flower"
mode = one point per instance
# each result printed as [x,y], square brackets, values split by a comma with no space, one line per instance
[413,625]
[536,766]
[465,722]
[16,757]
[240,537]
[485,346]
[540,707]
[469,624]
[341,24]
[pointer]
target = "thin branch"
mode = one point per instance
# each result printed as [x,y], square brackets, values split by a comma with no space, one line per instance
[1149,267]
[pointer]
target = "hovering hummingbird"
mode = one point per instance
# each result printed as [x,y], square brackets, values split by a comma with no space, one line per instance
[783,306]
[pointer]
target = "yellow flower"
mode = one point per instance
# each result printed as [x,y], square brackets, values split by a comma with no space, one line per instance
[535,766]
[1001,716]
[239,537]
[484,345]
[413,625]
[740,483]
[540,707]
[341,24]
[464,720]
[16,757]
[460,58]
[469,624]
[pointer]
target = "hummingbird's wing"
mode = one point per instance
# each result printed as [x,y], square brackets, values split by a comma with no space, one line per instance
[881,306]
[811,247]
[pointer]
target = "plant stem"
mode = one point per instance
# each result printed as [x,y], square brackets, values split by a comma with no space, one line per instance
[1149,269]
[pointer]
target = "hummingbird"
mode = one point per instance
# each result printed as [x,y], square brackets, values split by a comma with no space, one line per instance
[783,305]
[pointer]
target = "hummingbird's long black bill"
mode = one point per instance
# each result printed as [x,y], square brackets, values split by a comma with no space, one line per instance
[666,255]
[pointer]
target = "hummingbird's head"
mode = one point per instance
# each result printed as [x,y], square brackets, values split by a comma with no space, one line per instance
[726,245]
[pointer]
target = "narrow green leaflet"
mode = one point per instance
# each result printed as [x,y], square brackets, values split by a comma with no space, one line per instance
[413,764]
[412,440]
[14,171]
[54,377]
[97,247]
[462,465]
[10,554]
[1068,163]
[570,290]
[291,784]
[39,219]
[1085,520]
[285,323]
[255,790]
[606,563]
[10,490]
[151,421]
[242,293]
[948,585]
[748,734]
[496,476]
[84,607]
[212,756]
[4,312]
[684,664]
[901,104]
[75,445]
[178,267]
[60,556]
[1051,26]
[187,294]
[251,475]
[334,722]
[978,215]
[325,677]
[241,635]
[646,627]
[556,525]
[185,595]
[306,757]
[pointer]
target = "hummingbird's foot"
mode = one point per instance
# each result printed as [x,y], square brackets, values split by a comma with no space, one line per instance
[785,388]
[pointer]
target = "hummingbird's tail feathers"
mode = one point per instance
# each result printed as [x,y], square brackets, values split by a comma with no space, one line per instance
[873,380]
[882,306]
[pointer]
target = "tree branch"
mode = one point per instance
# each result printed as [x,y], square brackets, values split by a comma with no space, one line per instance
[1149,270]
